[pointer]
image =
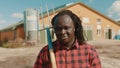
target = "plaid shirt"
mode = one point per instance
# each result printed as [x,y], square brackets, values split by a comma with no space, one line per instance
[79,56]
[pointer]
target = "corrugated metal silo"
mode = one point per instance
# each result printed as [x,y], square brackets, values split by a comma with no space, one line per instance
[31,24]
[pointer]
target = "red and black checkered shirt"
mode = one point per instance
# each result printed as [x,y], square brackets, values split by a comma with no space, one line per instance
[79,56]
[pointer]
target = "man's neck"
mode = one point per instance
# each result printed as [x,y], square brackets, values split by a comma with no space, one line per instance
[69,45]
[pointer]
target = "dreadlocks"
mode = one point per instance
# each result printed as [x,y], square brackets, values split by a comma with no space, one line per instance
[76,22]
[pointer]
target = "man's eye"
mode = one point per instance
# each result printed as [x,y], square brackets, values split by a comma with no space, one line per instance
[57,29]
[67,28]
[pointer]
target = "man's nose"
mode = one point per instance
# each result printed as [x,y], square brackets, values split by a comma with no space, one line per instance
[63,31]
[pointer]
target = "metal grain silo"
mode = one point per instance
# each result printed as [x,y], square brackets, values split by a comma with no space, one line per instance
[31,24]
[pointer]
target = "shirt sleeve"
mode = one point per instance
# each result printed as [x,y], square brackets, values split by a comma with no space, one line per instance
[94,59]
[43,60]
[38,63]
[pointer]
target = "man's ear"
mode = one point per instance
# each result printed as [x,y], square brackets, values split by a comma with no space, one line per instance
[74,30]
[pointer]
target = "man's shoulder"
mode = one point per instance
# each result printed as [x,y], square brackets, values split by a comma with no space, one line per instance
[45,48]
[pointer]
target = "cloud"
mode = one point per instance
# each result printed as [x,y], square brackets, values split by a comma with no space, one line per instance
[2,21]
[90,1]
[114,9]
[17,15]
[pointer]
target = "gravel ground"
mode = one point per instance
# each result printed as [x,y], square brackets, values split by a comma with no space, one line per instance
[25,57]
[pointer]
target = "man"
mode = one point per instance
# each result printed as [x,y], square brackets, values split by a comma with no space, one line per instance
[70,48]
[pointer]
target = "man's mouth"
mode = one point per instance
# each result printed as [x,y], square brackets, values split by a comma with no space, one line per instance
[64,37]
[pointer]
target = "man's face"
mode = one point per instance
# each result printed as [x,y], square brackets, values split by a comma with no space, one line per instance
[64,29]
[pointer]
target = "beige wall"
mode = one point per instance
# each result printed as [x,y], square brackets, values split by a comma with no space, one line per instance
[84,12]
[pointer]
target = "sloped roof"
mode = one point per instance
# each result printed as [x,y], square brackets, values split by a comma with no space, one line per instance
[96,12]
[63,7]
[13,26]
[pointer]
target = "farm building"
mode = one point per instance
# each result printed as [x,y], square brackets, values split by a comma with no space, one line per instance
[96,25]
[13,32]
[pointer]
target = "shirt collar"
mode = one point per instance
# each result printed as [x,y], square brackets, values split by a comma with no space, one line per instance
[62,47]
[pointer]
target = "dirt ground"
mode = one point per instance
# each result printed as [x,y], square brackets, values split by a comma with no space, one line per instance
[108,50]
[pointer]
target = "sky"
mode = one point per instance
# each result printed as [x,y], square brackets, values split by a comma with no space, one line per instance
[11,11]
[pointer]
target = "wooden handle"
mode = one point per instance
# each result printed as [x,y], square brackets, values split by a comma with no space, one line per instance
[52,55]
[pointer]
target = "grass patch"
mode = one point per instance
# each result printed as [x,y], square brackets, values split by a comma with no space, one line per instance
[16,44]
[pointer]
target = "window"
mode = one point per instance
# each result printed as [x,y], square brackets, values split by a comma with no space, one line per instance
[98,21]
[98,30]
[88,33]
[85,20]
